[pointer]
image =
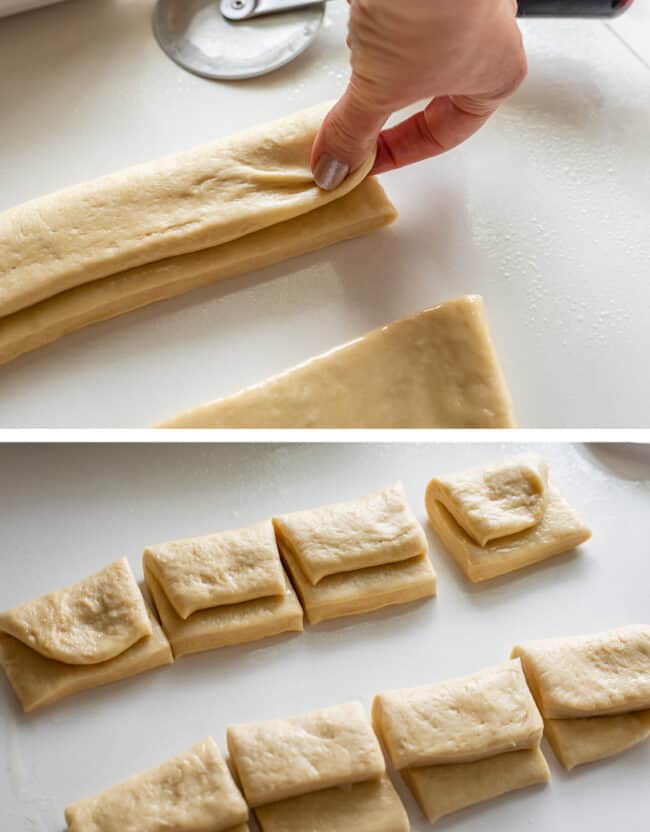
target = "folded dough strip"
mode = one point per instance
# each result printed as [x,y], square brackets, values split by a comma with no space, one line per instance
[182,203]
[579,741]
[438,368]
[363,210]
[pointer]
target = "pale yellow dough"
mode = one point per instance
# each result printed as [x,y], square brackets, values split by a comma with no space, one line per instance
[229,624]
[282,758]
[590,675]
[370,531]
[435,369]
[443,789]
[192,792]
[353,593]
[579,741]
[86,623]
[228,567]
[559,530]
[373,806]
[38,681]
[493,501]
[461,720]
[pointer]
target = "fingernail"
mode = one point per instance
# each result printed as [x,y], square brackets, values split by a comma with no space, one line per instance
[329,172]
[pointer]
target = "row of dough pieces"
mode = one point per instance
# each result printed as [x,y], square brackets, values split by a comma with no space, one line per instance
[455,743]
[231,587]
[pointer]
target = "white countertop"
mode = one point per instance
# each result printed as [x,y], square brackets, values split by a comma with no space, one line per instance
[68,511]
[545,213]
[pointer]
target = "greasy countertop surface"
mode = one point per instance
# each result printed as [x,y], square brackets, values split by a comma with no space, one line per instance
[545,213]
[68,511]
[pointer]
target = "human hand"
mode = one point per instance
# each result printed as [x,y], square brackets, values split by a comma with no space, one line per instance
[467,56]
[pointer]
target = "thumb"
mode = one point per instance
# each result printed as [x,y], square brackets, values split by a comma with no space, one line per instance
[347,137]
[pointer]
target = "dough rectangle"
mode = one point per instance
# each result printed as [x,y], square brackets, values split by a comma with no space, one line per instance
[192,792]
[589,675]
[370,531]
[283,758]
[460,720]
[579,741]
[372,806]
[443,789]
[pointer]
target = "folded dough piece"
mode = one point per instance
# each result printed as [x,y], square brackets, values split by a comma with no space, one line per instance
[192,792]
[354,557]
[434,369]
[593,691]
[221,589]
[461,720]
[495,519]
[86,635]
[364,209]
[448,739]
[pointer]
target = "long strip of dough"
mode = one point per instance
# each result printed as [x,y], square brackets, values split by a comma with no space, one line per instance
[180,204]
[435,369]
[365,209]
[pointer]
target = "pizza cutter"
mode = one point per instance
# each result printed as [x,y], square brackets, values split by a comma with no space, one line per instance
[234,39]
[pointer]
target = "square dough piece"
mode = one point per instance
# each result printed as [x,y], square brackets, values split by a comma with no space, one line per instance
[282,758]
[353,593]
[227,625]
[192,792]
[591,675]
[436,369]
[228,567]
[441,790]
[460,720]
[493,501]
[559,530]
[38,681]
[579,741]
[343,537]
[373,806]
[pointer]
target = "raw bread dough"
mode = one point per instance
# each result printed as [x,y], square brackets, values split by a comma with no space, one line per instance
[443,789]
[373,806]
[193,792]
[353,593]
[579,741]
[282,758]
[493,501]
[86,623]
[591,675]
[370,531]
[559,530]
[226,625]
[38,681]
[461,720]
[224,568]
[177,205]
[435,369]
[364,209]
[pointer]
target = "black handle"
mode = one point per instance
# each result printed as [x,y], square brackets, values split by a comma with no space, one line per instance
[572,8]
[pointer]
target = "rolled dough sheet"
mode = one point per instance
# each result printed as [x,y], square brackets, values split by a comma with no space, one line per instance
[493,501]
[579,741]
[590,675]
[353,593]
[282,758]
[228,567]
[370,531]
[226,625]
[460,720]
[38,681]
[363,210]
[192,792]
[440,790]
[434,369]
[373,806]
[177,205]
[559,530]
